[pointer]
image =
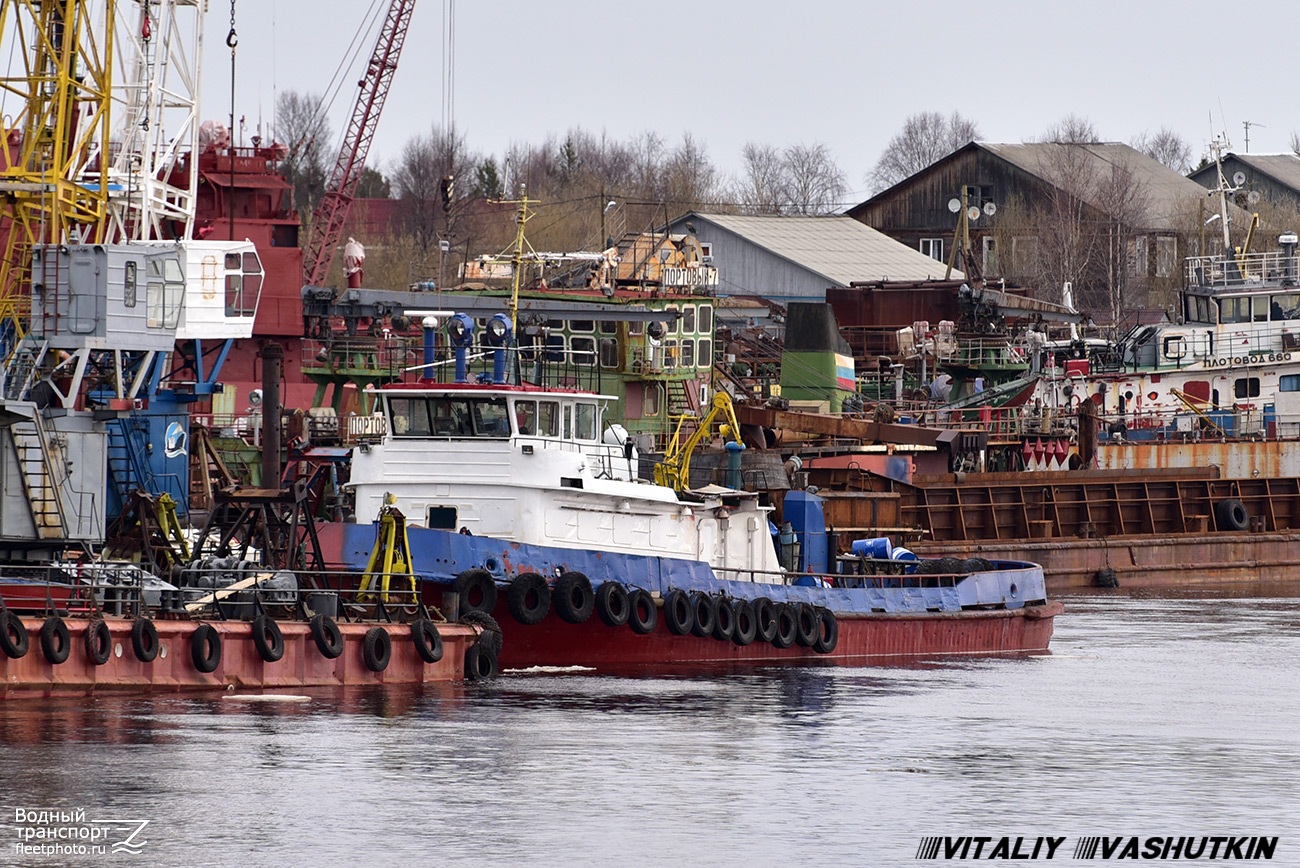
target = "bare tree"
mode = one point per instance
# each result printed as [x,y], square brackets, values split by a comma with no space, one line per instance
[761,188]
[689,177]
[1167,147]
[924,139]
[1295,143]
[814,183]
[1124,200]
[301,125]
[425,161]
[1071,129]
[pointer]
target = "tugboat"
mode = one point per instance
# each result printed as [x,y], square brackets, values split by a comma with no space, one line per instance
[535,512]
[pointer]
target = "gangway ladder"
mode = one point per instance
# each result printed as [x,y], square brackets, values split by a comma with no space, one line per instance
[40,479]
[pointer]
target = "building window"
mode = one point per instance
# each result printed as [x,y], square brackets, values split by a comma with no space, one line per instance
[609,352]
[583,350]
[688,353]
[1024,254]
[933,248]
[1166,256]
[688,320]
[1138,256]
[705,355]
[670,354]
[608,327]
[585,326]
[705,319]
[990,263]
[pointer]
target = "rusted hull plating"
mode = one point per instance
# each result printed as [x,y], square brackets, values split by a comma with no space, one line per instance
[863,640]
[240,668]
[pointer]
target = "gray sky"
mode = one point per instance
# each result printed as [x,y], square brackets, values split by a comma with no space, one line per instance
[730,71]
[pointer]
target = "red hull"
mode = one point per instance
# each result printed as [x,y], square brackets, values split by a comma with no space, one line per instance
[241,667]
[863,640]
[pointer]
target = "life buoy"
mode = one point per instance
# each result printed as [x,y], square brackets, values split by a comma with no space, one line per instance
[327,636]
[765,619]
[480,662]
[612,604]
[787,626]
[528,598]
[205,648]
[679,613]
[828,631]
[377,649]
[267,638]
[642,616]
[477,589]
[144,640]
[574,599]
[427,640]
[99,642]
[724,622]
[56,643]
[705,609]
[13,635]
[1231,514]
[807,619]
[746,623]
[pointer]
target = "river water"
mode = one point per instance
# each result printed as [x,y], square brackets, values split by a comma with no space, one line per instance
[1152,716]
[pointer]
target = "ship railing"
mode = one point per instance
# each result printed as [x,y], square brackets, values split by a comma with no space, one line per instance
[883,574]
[1243,271]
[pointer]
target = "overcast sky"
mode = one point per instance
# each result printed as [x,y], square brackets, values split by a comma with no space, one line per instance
[846,74]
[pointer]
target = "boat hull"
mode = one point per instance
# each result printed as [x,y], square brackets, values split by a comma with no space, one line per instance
[240,666]
[863,640]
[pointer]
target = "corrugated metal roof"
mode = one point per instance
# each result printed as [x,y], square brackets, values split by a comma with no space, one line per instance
[838,248]
[1283,168]
[1168,191]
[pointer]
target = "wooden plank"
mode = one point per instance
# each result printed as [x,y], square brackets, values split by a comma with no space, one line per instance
[222,593]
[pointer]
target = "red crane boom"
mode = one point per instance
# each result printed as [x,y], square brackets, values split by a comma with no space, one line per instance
[332,212]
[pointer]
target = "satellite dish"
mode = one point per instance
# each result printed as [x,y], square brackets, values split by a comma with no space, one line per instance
[990,208]
[954,205]
[1253,197]
[973,213]
[1239,178]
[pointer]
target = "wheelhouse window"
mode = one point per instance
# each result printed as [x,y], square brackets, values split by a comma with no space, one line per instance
[1246,387]
[548,418]
[704,358]
[584,421]
[164,293]
[609,352]
[583,350]
[419,416]
[705,319]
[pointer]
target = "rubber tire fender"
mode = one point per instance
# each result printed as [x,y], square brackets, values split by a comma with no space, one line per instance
[144,640]
[327,636]
[679,613]
[377,649]
[612,604]
[574,598]
[205,648]
[427,640]
[99,642]
[267,638]
[764,619]
[14,640]
[1231,514]
[705,609]
[808,624]
[476,584]
[480,662]
[746,623]
[787,626]
[828,631]
[528,598]
[642,617]
[491,634]
[56,642]
[724,621]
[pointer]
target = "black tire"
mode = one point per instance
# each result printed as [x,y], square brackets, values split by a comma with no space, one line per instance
[724,621]
[787,626]
[327,636]
[491,634]
[56,642]
[574,598]
[828,631]
[99,642]
[642,615]
[377,649]
[205,648]
[478,591]
[144,640]
[764,619]
[705,609]
[612,604]
[427,640]
[808,624]
[480,663]
[1231,514]
[528,598]
[679,613]
[14,640]
[746,623]
[267,638]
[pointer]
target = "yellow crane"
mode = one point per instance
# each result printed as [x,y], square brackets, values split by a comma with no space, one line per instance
[674,470]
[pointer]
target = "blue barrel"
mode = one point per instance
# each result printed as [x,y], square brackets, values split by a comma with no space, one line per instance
[877,547]
[902,554]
